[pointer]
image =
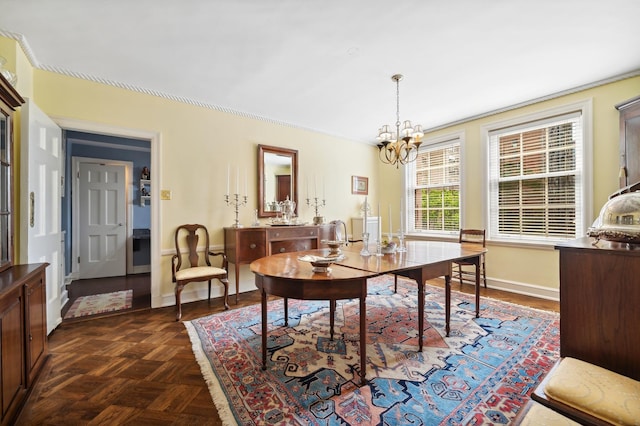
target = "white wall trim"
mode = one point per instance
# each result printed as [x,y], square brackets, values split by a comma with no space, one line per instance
[155,139]
[526,289]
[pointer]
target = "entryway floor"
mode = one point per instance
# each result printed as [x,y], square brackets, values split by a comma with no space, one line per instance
[139,283]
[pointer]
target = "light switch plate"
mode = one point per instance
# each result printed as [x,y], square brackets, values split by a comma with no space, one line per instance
[165,194]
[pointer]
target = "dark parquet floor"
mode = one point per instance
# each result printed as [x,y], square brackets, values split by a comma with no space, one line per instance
[137,368]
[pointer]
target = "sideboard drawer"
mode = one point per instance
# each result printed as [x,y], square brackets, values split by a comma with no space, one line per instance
[288,246]
[245,246]
[284,232]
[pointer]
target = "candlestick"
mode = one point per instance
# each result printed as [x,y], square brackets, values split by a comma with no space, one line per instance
[364,224]
[238,180]
[390,224]
[379,224]
[246,192]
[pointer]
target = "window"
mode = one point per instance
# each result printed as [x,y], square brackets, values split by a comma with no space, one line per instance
[537,180]
[434,187]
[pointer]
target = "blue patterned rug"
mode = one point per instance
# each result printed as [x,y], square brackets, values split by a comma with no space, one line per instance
[481,375]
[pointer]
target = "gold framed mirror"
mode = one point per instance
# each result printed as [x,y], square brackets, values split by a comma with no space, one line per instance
[277,178]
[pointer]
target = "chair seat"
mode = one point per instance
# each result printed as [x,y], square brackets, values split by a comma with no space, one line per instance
[596,391]
[198,272]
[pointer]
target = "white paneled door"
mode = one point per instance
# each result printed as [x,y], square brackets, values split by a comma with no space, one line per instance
[40,192]
[103,230]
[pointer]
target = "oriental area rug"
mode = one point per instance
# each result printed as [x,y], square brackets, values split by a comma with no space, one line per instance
[100,303]
[481,375]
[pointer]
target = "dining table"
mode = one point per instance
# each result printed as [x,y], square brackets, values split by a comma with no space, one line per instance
[291,275]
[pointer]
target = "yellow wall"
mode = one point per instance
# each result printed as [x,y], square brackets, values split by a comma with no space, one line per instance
[526,269]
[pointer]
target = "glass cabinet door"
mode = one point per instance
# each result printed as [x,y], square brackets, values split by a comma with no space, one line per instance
[5,193]
[10,100]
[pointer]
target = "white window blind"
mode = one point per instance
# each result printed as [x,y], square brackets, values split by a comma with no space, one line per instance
[535,179]
[434,188]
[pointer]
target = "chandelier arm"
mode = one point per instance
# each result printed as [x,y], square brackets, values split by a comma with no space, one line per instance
[384,159]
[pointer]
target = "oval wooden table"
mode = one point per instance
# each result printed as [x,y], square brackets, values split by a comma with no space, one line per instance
[285,276]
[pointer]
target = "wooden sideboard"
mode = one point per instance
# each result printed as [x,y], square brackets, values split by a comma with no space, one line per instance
[244,245]
[600,304]
[23,334]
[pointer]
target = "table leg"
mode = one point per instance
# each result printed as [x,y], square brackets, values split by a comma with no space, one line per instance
[477,262]
[447,303]
[363,339]
[237,265]
[264,329]
[332,316]
[420,312]
[286,311]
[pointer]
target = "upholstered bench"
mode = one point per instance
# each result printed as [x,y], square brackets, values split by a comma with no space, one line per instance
[535,414]
[590,394]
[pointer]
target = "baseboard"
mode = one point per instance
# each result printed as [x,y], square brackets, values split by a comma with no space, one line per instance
[141,269]
[526,289]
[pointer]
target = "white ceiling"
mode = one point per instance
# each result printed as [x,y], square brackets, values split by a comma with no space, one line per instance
[327,65]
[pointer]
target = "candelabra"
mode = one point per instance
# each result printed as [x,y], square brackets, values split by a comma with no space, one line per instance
[316,205]
[236,202]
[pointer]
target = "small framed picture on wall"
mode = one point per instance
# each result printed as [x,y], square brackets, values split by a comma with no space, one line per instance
[359,185]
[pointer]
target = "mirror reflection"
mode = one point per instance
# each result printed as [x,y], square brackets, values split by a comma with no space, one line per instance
[278,171]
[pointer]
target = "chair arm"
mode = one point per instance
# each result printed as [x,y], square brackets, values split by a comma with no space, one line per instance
[225,263]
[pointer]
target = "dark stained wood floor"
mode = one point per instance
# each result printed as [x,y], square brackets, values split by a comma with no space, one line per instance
[138,368]
[139,283]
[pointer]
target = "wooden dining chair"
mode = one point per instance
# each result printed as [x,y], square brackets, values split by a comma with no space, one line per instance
[190,264]
[472,236]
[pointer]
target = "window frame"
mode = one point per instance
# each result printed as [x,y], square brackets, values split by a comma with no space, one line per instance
[409,186]
[583,170]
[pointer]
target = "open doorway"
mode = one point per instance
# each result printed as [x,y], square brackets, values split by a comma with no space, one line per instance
[106,216]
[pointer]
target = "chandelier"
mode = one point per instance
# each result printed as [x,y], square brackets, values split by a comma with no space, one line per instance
[401,146]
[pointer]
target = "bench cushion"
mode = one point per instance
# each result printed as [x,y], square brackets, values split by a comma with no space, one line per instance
[538,415]
[594,390]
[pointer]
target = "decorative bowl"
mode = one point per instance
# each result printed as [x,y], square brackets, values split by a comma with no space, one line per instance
[321,263]
[389,248]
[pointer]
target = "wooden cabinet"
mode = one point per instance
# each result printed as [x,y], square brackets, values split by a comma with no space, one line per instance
[629,141]
[35,301]
[244,245]
[23,334]
[23,316]
[599,300]
[12,369]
